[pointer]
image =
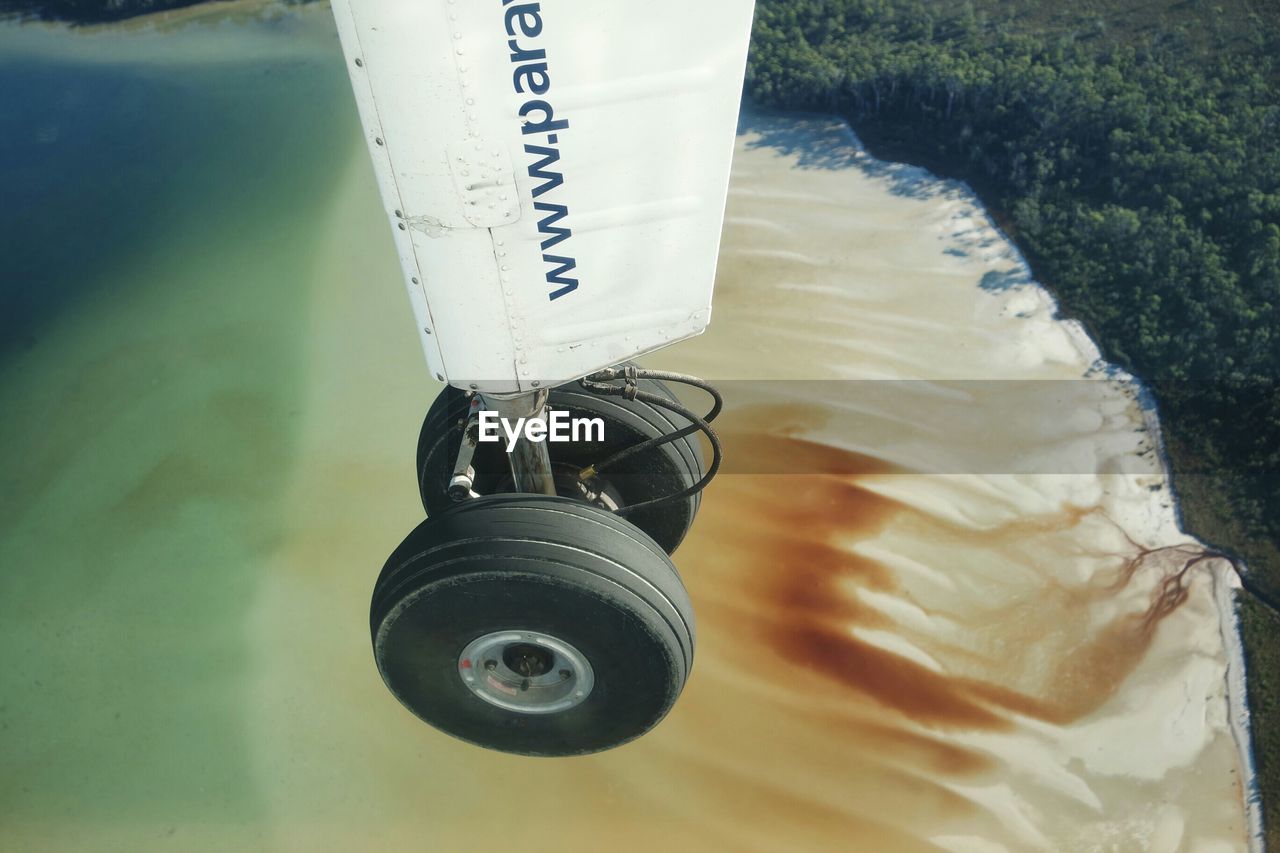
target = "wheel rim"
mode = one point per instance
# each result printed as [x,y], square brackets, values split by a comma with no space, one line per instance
[526,671]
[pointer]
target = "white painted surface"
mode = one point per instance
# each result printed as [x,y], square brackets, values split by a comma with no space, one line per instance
[650,95]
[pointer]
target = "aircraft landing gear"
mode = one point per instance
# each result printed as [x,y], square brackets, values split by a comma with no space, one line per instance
[546,624]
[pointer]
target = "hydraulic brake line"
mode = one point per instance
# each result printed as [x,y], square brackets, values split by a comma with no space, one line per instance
[601,383]
[631,373]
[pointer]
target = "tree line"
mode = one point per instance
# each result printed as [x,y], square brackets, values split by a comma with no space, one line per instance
[1140,177]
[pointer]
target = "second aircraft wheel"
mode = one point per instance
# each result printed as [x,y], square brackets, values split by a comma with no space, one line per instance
[663,470]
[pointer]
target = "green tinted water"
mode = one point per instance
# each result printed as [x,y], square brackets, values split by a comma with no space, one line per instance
[157,234]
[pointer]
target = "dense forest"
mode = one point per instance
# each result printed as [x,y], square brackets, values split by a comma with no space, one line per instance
[1134,156]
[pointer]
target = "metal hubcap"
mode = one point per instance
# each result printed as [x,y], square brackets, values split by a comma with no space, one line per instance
[526,671]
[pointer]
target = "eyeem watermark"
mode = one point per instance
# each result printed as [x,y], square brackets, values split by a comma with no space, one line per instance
[557,425]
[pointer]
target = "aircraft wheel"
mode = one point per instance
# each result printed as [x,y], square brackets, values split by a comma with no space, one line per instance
[663,470]
[533,624]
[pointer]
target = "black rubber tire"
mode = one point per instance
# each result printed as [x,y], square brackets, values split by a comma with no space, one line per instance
[534,563]
[663,470]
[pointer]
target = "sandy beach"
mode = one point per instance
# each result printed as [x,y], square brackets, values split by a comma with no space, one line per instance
[943,600]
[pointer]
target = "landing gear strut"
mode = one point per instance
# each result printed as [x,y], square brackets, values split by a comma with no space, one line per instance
[530,460]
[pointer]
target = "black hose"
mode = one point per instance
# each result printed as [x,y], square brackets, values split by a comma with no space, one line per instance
[697,423]
[631,373]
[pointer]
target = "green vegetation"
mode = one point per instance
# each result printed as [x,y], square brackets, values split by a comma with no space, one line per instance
[1133,153]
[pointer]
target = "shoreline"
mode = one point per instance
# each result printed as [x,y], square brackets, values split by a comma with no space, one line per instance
[1227,583]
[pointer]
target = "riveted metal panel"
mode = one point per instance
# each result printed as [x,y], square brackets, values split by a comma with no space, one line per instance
[594,236]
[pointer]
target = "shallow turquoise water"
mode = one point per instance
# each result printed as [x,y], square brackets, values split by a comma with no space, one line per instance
[160,198]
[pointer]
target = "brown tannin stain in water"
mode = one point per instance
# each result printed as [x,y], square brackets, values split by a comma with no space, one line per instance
[781,589]
[1093,657]
[797,569]
[791,715]
[1088,675]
